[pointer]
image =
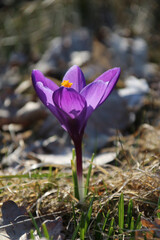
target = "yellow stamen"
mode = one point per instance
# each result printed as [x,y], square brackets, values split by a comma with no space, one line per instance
[66,83]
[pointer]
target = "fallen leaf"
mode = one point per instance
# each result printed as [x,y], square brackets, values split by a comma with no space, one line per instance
[11,213]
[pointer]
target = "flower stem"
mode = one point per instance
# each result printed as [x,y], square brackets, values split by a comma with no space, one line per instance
[78,148]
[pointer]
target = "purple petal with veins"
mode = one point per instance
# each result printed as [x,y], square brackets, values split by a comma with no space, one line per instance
[75,76]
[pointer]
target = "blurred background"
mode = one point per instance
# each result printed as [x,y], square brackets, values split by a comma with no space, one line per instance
[128,29]
[52,35]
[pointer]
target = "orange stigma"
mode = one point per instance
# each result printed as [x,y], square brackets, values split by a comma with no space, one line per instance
[66,83]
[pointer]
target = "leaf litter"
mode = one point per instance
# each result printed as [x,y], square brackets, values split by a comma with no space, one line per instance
[137,177]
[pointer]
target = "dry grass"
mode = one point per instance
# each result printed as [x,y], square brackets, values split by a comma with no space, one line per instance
[137,177]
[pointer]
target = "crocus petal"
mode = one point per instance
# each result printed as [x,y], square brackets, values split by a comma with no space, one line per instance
[75,76]
[44,88]
[93,93]
[45,94]
[110,78]
[72,107]
[70,101]
[37,76]
[109,75]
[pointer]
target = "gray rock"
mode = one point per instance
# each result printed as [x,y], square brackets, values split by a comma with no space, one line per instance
[134,92]
[119,47]
[104,158]
[139,50]
[73,48]
[128,53]
[150,71]
[11,77]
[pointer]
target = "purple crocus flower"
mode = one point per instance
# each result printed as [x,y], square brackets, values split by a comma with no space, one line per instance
[73,102]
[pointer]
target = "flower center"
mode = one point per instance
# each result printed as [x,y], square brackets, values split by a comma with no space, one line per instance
[66,83]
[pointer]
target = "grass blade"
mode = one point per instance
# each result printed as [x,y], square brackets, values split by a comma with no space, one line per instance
[121,213]
[138,224]
[89,175]
[74,236]
[98,231]
[110,230]
[85,220]
[32,237]
[129,213]
[88,215]
[83,225]
[132,224]
[45,231]
[35,224]
[74,175]
[105,220]
[132,227]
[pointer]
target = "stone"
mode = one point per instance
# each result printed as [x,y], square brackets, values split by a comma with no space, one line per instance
[72,48]
[134,92]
